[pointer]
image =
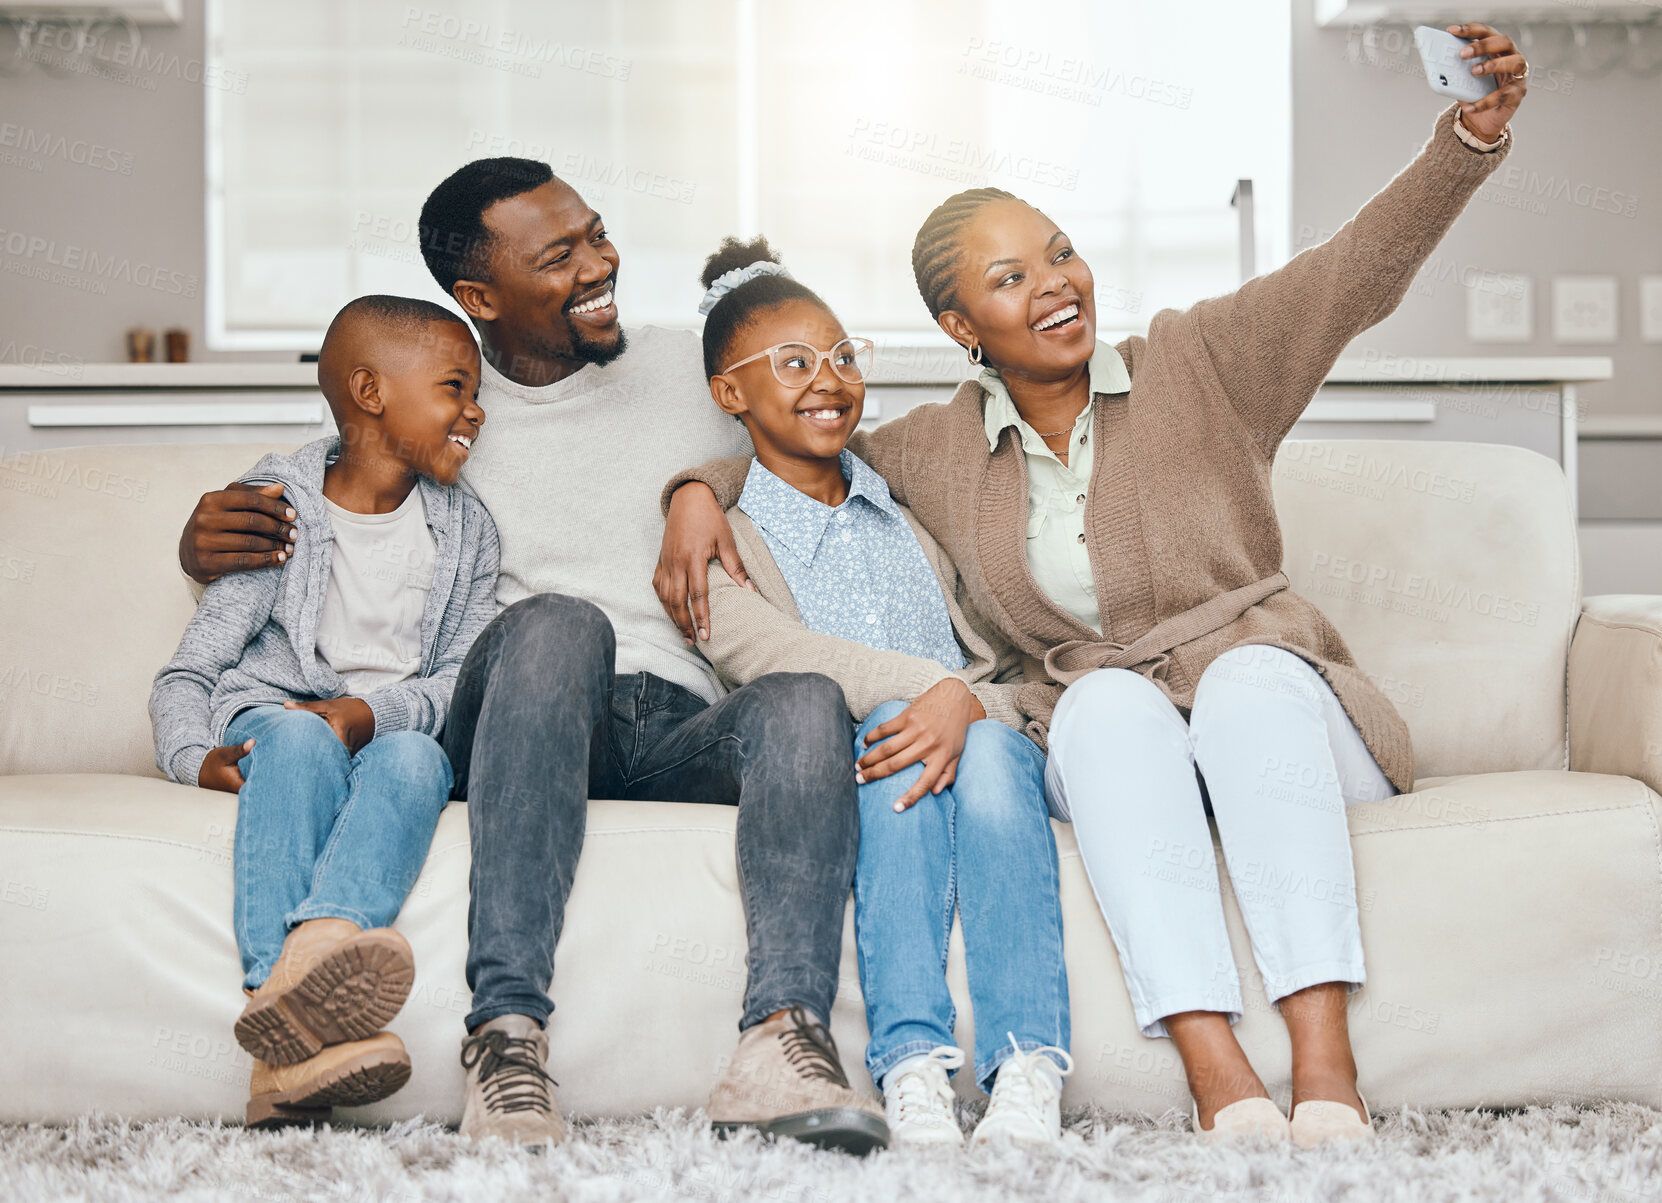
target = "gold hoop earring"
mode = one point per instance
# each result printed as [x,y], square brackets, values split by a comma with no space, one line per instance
[976,355]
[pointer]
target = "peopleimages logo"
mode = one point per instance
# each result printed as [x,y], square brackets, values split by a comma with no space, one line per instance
[516,42]
[1581,194]
[79,151]
[69,256]
[1065,77]
[576,167]
[963,160]
[1375,469]
[70,49]
[1377,580]
[17,679]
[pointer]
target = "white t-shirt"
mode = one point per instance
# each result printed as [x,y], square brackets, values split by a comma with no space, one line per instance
[380,572]
[572,472]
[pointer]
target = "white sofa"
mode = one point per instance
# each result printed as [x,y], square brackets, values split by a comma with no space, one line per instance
[1511,906]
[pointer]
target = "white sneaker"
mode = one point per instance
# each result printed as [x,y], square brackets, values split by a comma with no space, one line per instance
[918,1100]
[1026,1108]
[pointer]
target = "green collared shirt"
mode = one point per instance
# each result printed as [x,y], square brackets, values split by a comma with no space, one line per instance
[1056,492]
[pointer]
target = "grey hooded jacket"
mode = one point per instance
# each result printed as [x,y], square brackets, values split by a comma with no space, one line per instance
[253,639]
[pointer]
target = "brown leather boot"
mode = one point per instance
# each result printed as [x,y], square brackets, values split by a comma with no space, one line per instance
[333,982]
[342,1075]
[785,1080]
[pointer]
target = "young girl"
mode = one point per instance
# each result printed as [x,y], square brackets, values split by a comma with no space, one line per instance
[952,808]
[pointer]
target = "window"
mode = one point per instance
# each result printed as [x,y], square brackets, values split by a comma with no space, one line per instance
[834,129]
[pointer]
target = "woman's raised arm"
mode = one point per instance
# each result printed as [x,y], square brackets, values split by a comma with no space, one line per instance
[1274,339]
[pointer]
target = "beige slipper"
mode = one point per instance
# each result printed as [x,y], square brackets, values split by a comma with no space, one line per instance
[1322,1121]
[1247,1119]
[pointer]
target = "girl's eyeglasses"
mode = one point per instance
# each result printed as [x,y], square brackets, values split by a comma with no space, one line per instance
[796,364]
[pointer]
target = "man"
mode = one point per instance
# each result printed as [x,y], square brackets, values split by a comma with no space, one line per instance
[582,687]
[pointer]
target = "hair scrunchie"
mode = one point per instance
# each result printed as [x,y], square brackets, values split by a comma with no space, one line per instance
[728,281]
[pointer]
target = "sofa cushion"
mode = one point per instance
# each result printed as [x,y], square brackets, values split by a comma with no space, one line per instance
[1451,570]
[1410,548]
[93,597]
[1511,925]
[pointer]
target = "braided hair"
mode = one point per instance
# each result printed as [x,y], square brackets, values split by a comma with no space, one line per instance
[735,309]
[935,249]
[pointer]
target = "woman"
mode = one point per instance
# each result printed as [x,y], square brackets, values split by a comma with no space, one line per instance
[1111,513]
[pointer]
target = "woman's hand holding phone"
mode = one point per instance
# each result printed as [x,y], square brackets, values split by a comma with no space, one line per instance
[1488,116]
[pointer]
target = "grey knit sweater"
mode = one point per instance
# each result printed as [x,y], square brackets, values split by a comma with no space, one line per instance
[253,639]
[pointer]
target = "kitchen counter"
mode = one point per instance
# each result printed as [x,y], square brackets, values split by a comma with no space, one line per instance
[1528,401]
[898,364]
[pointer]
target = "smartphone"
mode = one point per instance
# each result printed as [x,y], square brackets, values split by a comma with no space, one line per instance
[1446,72]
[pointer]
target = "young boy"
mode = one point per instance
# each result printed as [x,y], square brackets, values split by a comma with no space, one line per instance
[315,689]
[952,807]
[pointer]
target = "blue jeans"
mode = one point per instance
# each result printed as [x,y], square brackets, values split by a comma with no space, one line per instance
[984,847]
[321,834]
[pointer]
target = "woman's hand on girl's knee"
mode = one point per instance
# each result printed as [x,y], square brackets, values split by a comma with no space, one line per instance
[935,774]
[929,732]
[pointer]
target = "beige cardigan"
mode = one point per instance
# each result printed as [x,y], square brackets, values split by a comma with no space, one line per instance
[1180,507]
[762,632]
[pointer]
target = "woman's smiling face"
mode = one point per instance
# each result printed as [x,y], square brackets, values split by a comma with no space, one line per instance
[1023,292]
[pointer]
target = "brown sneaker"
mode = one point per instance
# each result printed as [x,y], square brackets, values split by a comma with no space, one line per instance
[332,983]
[343,1075]
[509,1093]
[785,1080]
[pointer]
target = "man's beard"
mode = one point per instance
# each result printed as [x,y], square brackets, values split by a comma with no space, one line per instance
[586,350]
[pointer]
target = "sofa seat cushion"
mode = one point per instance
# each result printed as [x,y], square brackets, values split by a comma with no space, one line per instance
[1513,926]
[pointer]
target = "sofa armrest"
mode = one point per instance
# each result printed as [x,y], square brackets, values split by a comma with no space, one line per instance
[1616,688]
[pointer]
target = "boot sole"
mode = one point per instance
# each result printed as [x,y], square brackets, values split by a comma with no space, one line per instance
[365,1079]
[844,1129]
[351,994]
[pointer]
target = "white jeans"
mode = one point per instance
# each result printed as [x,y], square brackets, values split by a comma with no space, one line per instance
[1279,761]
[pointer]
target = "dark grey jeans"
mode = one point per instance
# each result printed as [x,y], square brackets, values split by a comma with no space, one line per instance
[540,723]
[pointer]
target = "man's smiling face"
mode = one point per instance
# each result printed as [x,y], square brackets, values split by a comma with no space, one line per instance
[553,272]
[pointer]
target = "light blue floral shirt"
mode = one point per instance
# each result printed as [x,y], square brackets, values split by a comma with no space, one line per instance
[856,571]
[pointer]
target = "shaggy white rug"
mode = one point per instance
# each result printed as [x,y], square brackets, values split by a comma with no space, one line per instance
[1611,1153]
